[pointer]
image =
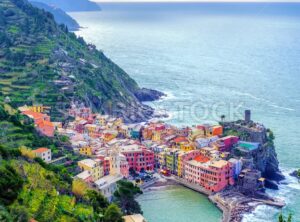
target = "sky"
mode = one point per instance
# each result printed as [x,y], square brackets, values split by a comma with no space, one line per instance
[196,0]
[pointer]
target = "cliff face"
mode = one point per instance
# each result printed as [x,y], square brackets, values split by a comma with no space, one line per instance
[41,62]
[266,161]
[265,157]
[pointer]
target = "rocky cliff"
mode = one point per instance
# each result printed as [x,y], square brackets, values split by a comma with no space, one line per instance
[265,157]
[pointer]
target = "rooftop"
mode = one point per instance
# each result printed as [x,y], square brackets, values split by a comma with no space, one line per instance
[83,175]
[107,181]
[41,150]
[202,159]
[88,162]
[219,163]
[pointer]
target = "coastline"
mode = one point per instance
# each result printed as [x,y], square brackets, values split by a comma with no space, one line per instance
[233,204]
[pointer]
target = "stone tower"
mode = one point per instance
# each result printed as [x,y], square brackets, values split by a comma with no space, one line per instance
[247,115]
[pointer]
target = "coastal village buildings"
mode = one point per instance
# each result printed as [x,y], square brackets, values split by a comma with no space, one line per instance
[110,149]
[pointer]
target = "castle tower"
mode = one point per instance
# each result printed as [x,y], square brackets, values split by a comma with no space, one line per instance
[247,115]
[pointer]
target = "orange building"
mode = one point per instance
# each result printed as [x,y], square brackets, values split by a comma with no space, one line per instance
[42,122]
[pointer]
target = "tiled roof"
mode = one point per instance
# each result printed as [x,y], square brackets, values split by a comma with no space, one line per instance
[180,139]
[202,159]
[41,150]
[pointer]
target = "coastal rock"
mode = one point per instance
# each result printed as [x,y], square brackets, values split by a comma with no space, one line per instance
[266,161]
[145,95]
[295,173]
[271,184]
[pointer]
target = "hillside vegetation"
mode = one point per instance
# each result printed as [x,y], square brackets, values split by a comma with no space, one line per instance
[59,15]
[42,62]
[30,188]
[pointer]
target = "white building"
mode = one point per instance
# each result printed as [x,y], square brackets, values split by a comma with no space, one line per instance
[44,154]
[107,185]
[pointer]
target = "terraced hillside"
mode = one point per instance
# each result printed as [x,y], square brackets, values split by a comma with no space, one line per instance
[42,62]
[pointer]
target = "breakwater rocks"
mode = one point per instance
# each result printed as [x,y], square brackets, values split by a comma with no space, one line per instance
[234,204]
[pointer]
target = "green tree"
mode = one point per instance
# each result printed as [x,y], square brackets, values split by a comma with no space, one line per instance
[19,214]
[10,185]
[281,218]
[96,200]
[113,214]
[222,118]
[5,215]
[124,196]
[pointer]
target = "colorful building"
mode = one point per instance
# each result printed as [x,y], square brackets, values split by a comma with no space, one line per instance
[226,143]
[171,160]
[86,151]
[105,164]
[43,153]
[93,166]
[182,158]
[139,158]
[213,175]
[42,122]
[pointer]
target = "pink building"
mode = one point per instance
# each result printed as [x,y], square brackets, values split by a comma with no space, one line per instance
[227,142]
[211,174]
[124,166]
[138,158]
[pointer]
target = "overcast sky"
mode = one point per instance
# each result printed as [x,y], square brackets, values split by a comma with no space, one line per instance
[196,0]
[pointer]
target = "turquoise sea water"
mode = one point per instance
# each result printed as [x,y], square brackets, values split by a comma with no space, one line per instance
[212,59]
[177,204]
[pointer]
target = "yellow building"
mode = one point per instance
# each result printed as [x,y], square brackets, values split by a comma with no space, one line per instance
[35,108]
[87,151]
[179,163]
[156,136]
[118,122]
[94,167]
[196,133]
[38,108]
[162,159]
[170,160]
[91,129]
[186,146]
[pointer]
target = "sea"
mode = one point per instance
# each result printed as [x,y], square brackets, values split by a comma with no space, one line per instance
[210,59]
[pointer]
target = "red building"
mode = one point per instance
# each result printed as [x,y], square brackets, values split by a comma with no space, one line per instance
[138,157]
[105,164]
